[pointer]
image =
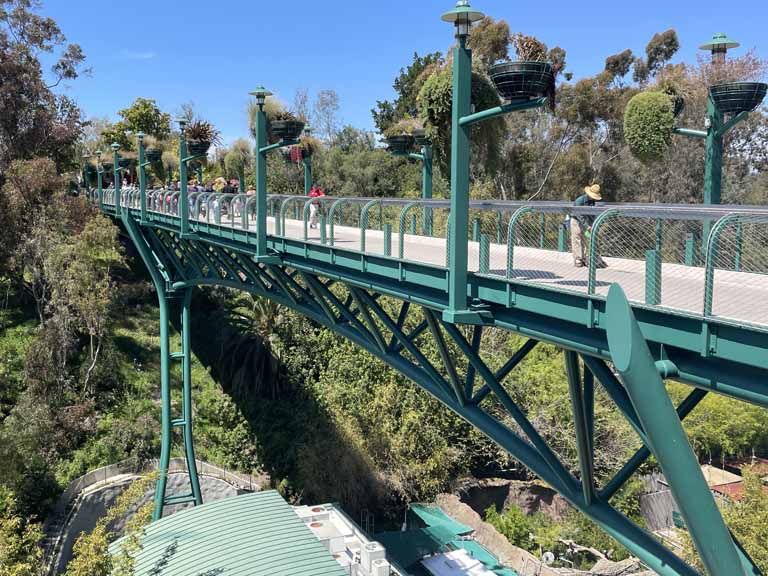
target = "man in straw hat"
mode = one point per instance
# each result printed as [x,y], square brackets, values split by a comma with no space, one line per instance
[581,227]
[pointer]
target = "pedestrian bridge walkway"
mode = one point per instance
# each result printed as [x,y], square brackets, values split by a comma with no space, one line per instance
[656,253]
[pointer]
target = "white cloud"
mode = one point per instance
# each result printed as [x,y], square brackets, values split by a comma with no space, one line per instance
[138,55]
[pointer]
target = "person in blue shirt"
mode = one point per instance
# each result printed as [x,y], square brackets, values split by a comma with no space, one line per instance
[581,228]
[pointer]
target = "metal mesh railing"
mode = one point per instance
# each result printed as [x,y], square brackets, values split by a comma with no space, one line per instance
[656,253]
[737,269]
[660,255]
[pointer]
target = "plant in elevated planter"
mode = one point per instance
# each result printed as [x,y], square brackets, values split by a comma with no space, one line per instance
[306,148]
[201,135]
[153,149]
[285,125]
[648,123]
[401,136]
[530,76]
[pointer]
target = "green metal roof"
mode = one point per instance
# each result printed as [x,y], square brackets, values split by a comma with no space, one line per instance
[253,534]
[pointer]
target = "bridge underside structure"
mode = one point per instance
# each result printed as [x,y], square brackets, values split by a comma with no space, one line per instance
[342,281]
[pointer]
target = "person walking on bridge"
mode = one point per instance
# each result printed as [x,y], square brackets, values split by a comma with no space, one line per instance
[315,192]
[581,228]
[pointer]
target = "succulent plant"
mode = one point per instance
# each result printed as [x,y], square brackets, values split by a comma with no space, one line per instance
[202,131]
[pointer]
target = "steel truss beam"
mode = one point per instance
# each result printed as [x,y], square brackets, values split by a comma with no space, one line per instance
[476,393]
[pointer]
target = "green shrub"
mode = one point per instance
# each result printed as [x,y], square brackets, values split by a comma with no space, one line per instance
[648,123]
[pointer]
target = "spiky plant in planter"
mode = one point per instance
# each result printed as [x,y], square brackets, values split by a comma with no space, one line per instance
[400,136]
[307,146]
[285,125]
[530,76]
[201,135]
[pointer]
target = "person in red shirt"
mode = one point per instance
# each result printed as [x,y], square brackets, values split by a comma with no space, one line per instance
[314,192]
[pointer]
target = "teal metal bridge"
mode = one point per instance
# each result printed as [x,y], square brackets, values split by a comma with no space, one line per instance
[684,296]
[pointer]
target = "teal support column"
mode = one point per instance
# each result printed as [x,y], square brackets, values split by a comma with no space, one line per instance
[667,440]
[739,240]
[142,178]
[653,277]
[241,180]
[459,218]
[116,171]
[183,177]
[186,416]
[387,239]
[412,226]
[542,231]
[165,404]
[199,170]
[659,235]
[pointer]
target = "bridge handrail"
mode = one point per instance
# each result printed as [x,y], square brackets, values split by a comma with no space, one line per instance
[305,211]
[593,245]
[364,220]
[332,220]
[401,226]
[512,236]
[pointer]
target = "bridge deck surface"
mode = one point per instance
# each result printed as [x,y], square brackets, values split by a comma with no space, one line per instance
[740,296]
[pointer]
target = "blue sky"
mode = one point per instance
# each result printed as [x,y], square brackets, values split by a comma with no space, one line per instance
[212,53]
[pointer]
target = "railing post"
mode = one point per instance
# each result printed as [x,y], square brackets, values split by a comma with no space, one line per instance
[542,231]
[653,277]
[323,235]
[562,240]
[476,230]
[116,171]
[739,241]
[485,254]
[387,239]
[413,224]
[690,249]
[659,234]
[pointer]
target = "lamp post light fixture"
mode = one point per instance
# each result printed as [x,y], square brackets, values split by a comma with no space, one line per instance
[116,174]
[718,46]
[459,309]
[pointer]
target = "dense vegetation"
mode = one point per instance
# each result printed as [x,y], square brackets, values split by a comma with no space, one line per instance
[79,343]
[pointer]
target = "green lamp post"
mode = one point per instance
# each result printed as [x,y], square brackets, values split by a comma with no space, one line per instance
[86,157]
[262,149]
[116,171]
[307,162]
[462,17]
[99,179]
[185,157]
[735,99]
[142,177]
[424,156]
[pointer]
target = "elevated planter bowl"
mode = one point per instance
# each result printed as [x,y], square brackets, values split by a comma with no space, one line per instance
[420,137]
[125,162]
[198,147]
[401,143]
[153,154]
[286,129]
[735,97]
[522,80]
